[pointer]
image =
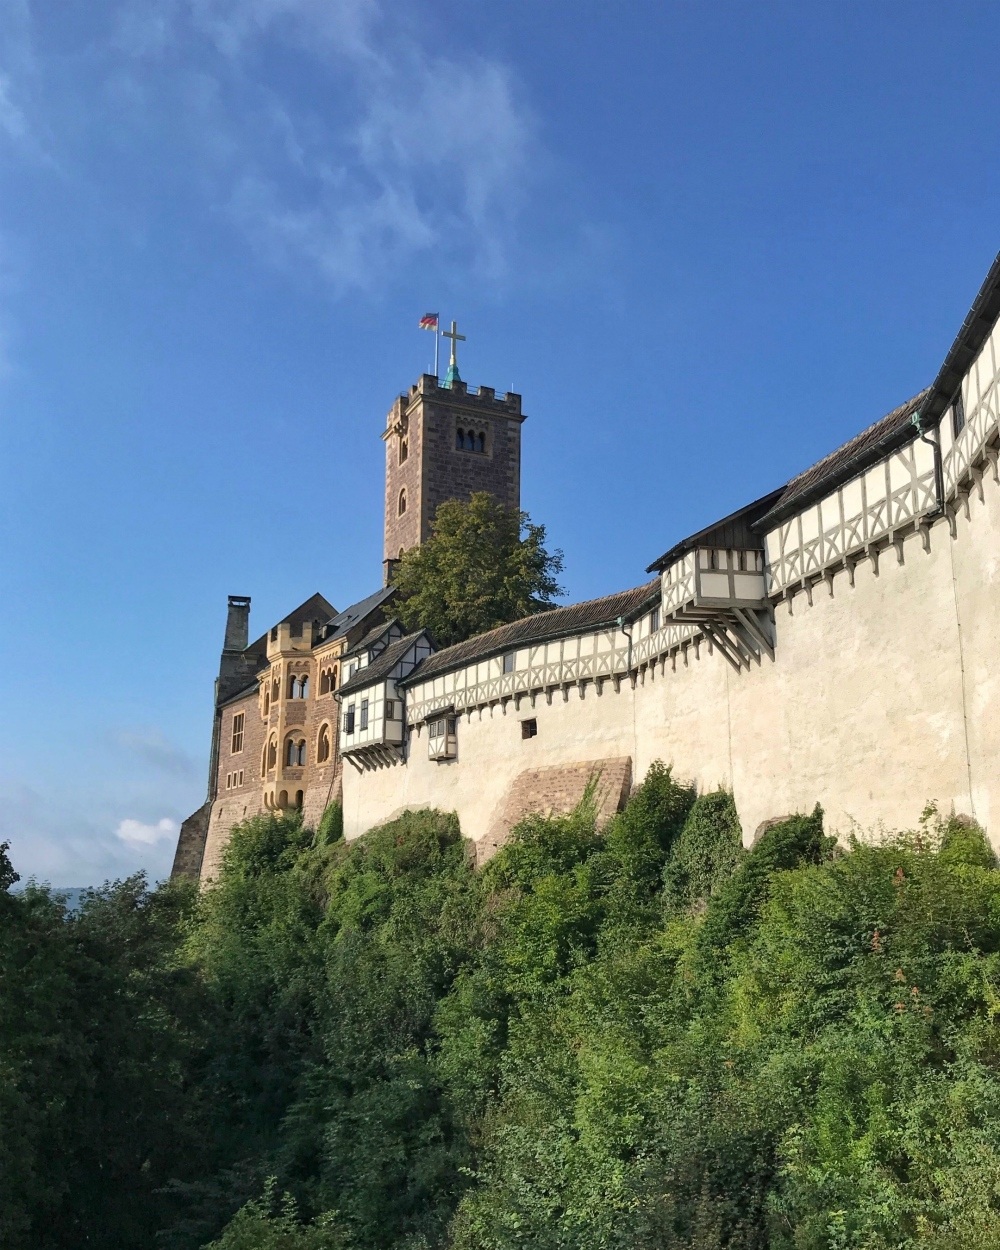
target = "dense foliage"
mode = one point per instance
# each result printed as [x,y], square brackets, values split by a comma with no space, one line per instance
[484,565]
[645,1038]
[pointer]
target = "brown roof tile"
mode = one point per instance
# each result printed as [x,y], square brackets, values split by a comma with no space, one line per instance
[849,461]
[556,623]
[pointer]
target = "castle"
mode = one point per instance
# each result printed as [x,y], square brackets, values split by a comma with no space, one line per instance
[835,641]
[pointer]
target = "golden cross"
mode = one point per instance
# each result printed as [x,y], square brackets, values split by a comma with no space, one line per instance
[456,338]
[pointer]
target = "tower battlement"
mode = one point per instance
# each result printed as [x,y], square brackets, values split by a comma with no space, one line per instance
[446,440]
[508,404]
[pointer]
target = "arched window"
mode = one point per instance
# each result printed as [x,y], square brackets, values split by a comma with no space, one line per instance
[300,751]
[293,683]
[290,753]
[402,502]
[299,798]
[404,449]
[459,439]
[323,744]
[481,442]
[304,687]
[272,753]
[275,690]
[283,799]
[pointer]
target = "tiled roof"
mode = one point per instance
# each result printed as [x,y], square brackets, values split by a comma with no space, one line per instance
[315,608]
[346,620]
[849,461]
[370,638]
[555,623]
[251,689]
[381,666]
[734,530]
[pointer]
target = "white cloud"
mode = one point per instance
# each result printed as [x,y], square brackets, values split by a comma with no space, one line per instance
[135,833]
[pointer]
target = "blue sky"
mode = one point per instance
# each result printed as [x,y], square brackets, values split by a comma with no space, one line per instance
[707,243]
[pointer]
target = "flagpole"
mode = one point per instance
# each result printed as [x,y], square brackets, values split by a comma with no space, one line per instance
[437,344]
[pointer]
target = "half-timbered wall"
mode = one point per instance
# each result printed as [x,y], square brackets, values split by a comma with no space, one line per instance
[876,509]
[883,692]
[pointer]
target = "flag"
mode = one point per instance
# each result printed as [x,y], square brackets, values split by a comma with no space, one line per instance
[429,321]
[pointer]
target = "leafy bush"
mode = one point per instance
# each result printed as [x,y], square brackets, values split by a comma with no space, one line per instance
[643,1038]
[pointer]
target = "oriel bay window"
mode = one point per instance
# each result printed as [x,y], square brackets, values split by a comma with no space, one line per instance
[442,738]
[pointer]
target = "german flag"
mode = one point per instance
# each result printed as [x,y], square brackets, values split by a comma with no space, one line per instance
[429,321]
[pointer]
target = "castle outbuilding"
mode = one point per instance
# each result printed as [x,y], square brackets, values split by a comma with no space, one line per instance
[837,640]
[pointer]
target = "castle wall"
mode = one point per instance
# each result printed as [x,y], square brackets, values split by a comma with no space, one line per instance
[234,803]
[883,695]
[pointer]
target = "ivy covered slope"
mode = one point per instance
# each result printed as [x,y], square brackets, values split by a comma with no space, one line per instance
[645,1038]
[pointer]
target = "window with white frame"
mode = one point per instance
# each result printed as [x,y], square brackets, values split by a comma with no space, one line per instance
[238,732]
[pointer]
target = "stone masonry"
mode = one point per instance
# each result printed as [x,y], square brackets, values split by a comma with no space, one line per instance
[424,459]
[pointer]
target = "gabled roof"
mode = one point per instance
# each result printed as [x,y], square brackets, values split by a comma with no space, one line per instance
[371,637]
[315,608]
[731,531]
[382,665]
[345,621]
[542,626]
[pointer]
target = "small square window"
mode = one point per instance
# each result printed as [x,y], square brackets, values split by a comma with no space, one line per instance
[529,728]
[508,662]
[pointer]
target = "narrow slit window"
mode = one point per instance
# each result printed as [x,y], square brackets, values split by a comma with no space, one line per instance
[364,713]
[958,415]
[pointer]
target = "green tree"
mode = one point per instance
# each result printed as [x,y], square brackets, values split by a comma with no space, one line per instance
[484,565]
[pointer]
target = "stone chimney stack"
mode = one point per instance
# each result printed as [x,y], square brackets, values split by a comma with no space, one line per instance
[237,623]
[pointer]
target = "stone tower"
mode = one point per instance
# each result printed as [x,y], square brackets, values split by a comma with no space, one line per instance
[445,440]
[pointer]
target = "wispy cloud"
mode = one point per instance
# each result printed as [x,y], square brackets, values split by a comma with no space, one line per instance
[153,748]
[332,137]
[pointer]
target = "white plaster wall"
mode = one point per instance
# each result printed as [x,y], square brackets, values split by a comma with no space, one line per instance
[868,707]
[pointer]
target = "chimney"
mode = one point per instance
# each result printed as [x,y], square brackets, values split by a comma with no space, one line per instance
[237,623]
